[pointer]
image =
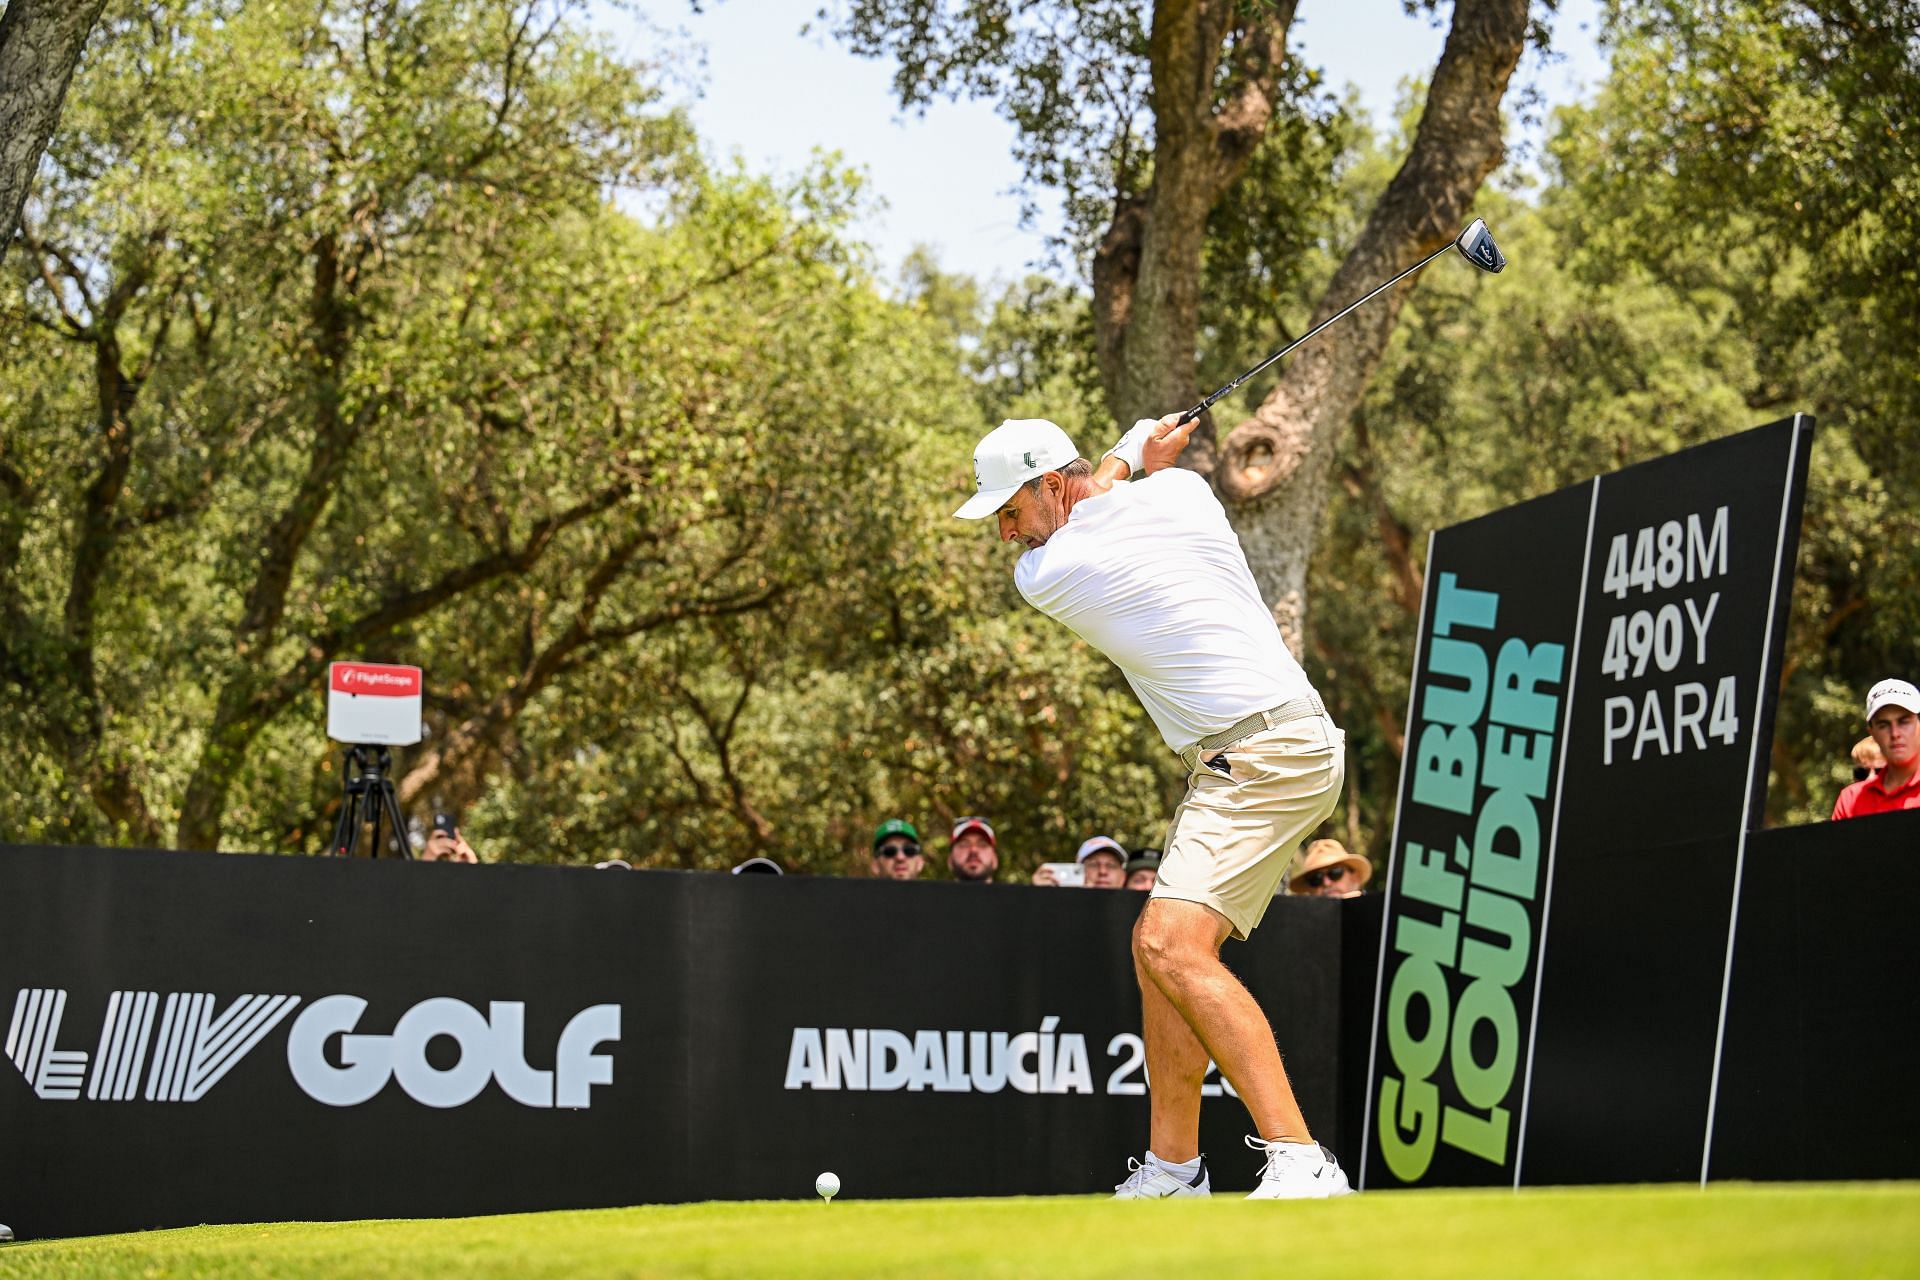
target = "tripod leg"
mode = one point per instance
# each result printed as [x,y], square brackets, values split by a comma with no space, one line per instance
[391,803]
[346,829]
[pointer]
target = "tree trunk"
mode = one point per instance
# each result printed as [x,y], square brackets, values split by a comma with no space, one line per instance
[1208,121]
[40,44]
[1272,470]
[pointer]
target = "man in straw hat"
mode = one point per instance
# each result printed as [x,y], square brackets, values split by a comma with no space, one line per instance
[1327,870]
[1152,575]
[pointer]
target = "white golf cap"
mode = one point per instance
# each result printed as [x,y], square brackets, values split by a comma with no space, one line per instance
[1010,455]
[1100,844]
[1892,693]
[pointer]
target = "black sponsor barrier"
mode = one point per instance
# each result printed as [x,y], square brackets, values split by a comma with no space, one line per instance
[1822,1040]
[1476,782]
[1590,715]
[137,1112]
[197,1038]
[1671,711]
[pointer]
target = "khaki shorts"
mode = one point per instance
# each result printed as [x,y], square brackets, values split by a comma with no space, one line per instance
[1231,839]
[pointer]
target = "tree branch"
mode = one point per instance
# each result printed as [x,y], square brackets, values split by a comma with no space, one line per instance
[40,44]
[1457,145]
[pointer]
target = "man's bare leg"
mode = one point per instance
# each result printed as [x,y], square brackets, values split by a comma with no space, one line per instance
[1176,1067]
[1176,945]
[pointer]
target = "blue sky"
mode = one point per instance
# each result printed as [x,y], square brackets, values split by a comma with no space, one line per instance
[759,88]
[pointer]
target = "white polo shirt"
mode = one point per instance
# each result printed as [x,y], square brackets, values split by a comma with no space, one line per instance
[1151,574]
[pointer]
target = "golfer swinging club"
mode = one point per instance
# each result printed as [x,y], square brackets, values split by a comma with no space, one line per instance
[1152,575]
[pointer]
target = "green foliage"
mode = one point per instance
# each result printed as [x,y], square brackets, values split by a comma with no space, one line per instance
[1271,240]
[336,347]
[1073,80]
[1792,119]
[1671,286]
[326,338]
[1034,359]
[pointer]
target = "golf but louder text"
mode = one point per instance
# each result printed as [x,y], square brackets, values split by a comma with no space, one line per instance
[1483,749]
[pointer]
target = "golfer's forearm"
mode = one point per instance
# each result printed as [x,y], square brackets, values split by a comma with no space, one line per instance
[1110,472]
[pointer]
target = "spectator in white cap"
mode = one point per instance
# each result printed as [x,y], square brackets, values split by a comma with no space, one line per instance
[973,851]
[1893,718]
[1103,863]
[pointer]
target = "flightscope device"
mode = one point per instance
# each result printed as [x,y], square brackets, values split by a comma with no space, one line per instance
[373,703]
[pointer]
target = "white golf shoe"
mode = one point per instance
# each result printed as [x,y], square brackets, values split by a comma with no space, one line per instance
[6,1233]
[1298,1171]
[1148,1181]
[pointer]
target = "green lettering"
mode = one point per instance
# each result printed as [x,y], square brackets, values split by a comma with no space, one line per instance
[1514,873]
[1426,940]
[1411,1111]
[1425,875]
[1491,1003]
[1515,673]
[1483,1136]
[1460,660]
[1499,914]
[1511,766]
[1421,979]
[1444,764]
[1454,603]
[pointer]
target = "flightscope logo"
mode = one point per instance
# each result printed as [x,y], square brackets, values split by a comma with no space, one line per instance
[188,1045]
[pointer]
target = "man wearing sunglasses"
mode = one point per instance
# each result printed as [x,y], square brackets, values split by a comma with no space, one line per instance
[1328,871]
[1153,575]
[896,850]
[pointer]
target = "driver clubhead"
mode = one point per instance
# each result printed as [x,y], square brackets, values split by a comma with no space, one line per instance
[1477,246]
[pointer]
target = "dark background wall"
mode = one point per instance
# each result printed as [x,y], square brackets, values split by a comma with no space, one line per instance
[713,974]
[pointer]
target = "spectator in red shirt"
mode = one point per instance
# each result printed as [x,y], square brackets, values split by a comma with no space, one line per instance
[1892,719]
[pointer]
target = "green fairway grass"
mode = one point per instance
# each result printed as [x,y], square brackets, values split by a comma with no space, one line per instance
[1848,1230]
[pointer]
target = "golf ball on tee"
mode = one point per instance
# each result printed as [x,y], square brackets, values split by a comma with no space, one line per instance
[828,1185]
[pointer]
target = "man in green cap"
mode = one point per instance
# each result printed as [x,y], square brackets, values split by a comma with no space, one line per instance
[896,850]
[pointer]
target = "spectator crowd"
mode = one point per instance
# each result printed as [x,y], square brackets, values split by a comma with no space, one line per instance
[1325,869]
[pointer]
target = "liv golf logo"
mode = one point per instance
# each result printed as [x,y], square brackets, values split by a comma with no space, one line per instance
[184,1047]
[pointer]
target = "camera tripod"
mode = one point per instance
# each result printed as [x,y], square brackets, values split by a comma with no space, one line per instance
[369,797]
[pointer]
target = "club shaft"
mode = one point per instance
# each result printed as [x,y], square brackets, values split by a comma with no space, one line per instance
[1206,404]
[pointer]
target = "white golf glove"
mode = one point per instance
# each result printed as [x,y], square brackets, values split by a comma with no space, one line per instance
[1132,445]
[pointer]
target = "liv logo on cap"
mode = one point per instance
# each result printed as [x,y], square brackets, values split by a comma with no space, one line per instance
[1011,454]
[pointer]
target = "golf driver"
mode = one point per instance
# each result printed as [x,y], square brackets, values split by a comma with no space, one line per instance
[1475,245]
